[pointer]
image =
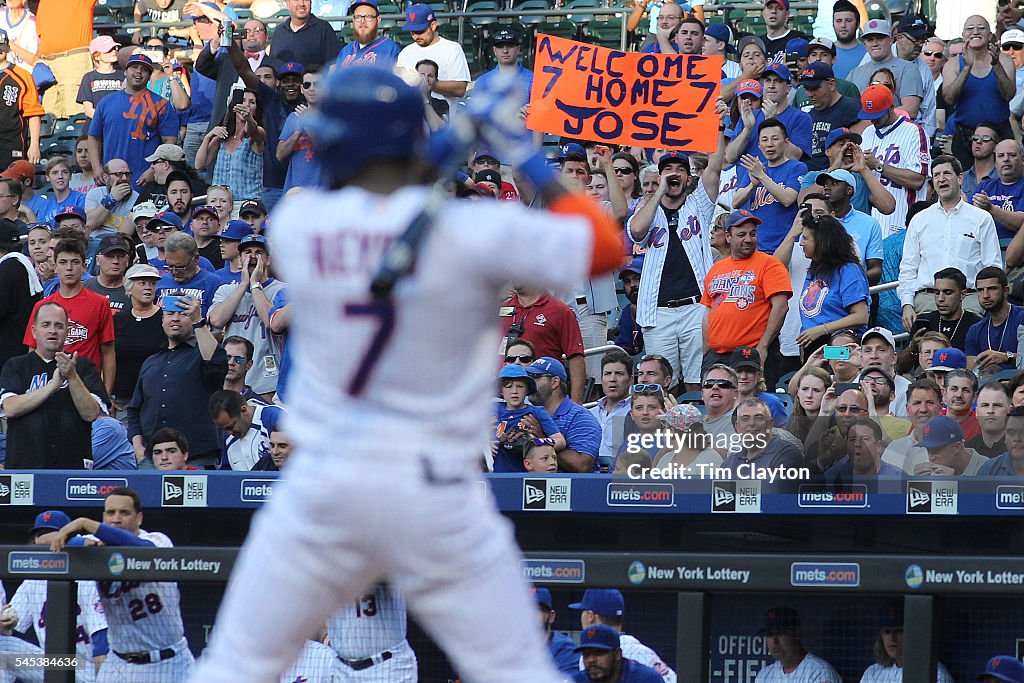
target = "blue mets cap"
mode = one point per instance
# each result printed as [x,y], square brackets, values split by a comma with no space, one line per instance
[635,265]
[947,359]
[167,218]
[418,17]
[571,149]
[542,596]
[68,212]
[741,216]
[546,365]
[289,68]
[258,240]
[236,230]
[674,156]
[607,602]
[838,134]
[779,69]
[139,58]
[1004,668]
[598,637]
[939,432]
[51,520]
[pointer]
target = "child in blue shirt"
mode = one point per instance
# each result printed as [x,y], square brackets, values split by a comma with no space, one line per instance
[516,386]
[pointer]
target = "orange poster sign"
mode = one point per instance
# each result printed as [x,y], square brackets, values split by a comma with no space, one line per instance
[627,98]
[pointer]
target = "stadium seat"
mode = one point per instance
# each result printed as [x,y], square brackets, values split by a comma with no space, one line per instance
[482,11]
[388,23]
[694,397]
[787,400]
[566,28]
[524,6]
[606,31]
[783,383]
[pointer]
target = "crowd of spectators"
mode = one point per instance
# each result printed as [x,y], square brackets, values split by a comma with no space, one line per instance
[870,152]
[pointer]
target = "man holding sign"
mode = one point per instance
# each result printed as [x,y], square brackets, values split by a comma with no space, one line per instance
[672,225]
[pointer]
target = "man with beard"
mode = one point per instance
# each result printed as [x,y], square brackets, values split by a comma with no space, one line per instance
[949,317]
[243,310]
[304,38]
[175,386]
[992,343]
[924,401]
[367,46]
[581,430]
[453,70]
[878,350]
[961,388]
[842,150]
[205,225]
[50,398]
[849,51]
[671,227]
[630,337]
[1003,197]
[881,386]
[864,444]
[603,661]
[993,407]
[792,662]
[179,196]
[746,295]
[131,124]
[184,275]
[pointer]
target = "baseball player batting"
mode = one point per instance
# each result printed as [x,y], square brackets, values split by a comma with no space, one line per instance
[144,628]
[383,485]
[369,636]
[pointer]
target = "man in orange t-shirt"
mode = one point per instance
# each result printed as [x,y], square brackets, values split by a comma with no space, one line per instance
[65,29]
[746,294]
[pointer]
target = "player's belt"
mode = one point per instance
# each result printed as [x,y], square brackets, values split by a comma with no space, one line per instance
[676,303]
[360,664]
[146,657]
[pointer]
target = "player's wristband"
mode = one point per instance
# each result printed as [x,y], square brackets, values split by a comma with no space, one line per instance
[538,171]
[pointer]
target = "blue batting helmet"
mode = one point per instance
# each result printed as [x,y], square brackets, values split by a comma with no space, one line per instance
[366,114]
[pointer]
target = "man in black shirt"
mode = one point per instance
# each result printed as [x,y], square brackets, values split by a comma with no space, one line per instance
[777,31]
[950,318]
[19,291]
[51,399]
[304,38]
[672,225]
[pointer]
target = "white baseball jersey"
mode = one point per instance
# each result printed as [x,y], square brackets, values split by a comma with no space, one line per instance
[317,663]
[876,673]
[903,144]
[812,669]
[245,452]
[142,616]
[369,625]
[390,380]
[388,433]
[11,646]
[640,653]
[30,602]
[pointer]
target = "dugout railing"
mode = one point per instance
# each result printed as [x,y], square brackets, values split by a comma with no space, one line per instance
[912,577]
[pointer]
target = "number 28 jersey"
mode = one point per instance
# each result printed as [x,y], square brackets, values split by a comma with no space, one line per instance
[142,615]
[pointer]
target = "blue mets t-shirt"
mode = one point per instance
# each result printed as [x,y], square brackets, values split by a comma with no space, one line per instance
[777,219]
[131,126]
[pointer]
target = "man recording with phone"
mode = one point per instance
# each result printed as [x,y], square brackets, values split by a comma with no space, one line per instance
[175,384]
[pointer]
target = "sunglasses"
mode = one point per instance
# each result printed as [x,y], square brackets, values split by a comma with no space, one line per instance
[544,442]
[161,228]
[849,409]
[522,359]
[238,360]
[931,53]
[723,383]
[1013,46]
[982,138]
[307,85]
[623,171]
[647,389]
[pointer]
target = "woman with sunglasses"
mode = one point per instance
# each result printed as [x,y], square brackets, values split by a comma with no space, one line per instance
[835,293]
[520,352]
[236,147]
[627,173]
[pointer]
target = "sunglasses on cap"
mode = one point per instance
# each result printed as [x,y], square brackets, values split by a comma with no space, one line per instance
[722,383]
[544,442]
[522,359]
[647,389]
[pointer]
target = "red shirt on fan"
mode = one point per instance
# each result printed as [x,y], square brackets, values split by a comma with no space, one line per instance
[89,323]
[548,324]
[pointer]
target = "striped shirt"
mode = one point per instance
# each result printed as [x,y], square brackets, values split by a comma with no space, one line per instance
[903,144]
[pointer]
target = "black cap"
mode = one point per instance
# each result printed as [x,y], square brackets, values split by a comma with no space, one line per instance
[745,357]
[10,236]
[781,620]
[114,243]
[506,35]
[253,205]
[488,176]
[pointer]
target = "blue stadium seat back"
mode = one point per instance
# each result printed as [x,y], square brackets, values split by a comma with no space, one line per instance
[606,31]
[1005,375]
[566,28]
[386,23]
[783,382]
[787,400]
[483,11]
[693,397]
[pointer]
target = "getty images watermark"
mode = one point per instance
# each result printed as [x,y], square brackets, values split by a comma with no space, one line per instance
[697,442]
